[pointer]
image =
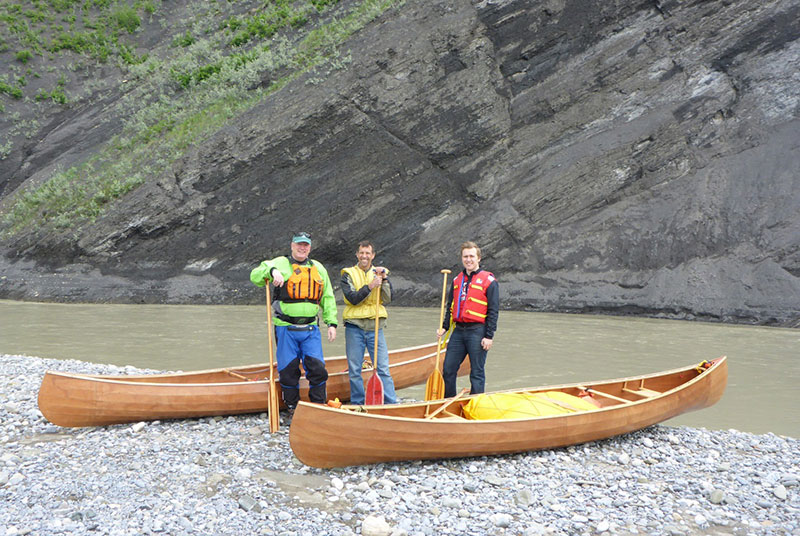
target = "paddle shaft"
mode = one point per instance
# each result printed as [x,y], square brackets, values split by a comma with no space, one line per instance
[434,388]
[377,326]
[375,384]
[272,403]
[441,314]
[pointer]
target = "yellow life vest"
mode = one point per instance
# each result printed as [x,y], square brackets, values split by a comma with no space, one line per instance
[303,285]
[365,309]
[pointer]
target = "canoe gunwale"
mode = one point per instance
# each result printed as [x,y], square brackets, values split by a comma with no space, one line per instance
[127,380]
[577,385]
[140,379]
[77,399]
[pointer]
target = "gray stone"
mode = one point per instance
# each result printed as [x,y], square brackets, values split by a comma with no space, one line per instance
[375,526]
[494,480]
[524,497]
[501,520]
[450,502]
[248,504]
[717,496]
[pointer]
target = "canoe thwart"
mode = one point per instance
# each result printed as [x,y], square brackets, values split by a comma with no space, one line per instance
[446,404]
[605,395]
[237,375]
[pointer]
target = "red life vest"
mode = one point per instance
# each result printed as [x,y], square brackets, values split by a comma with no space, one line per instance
[470,304]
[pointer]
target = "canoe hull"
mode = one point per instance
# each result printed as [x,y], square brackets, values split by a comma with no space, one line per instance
[76,400]
[401,432]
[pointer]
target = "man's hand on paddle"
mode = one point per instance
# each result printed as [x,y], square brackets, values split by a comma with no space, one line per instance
[277,277]
[380,277]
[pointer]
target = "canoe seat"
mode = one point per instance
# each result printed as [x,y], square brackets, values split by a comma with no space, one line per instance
[645,393]
[640,390]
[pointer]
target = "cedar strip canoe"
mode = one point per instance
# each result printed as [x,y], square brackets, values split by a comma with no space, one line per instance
[401,432]
[68,399]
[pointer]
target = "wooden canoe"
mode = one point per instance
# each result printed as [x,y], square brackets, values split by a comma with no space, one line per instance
[401,432]
[68,399]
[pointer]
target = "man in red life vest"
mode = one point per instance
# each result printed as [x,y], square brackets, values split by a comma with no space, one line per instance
[474,300]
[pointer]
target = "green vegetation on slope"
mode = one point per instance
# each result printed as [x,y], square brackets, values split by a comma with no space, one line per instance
[211,74]
[95,28]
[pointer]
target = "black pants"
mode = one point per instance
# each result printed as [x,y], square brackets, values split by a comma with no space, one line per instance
[316,375]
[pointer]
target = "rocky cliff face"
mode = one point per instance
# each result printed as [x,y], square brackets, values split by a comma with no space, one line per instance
[621,156]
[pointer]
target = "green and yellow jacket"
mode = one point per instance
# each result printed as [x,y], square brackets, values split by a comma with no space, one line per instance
[316,293]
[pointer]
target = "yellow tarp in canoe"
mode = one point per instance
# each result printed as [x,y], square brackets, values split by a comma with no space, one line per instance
[523,405]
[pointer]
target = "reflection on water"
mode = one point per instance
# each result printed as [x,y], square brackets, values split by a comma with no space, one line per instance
[531,349]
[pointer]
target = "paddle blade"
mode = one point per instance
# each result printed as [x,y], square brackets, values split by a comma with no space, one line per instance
[272,409]
[434,389]
[374,391]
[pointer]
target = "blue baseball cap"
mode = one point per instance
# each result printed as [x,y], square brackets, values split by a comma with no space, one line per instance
[302,237]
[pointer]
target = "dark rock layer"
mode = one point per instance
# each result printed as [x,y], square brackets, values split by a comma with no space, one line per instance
[618,157]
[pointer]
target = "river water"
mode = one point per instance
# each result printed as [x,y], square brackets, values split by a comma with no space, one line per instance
[531,349]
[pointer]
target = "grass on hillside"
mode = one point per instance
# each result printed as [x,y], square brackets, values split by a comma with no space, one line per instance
[211,75]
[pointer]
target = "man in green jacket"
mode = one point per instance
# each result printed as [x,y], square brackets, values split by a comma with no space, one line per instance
[302,289]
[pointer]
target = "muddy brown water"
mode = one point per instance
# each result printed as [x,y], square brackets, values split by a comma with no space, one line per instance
[531,349]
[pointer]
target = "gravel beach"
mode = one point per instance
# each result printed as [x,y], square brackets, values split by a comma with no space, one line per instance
[228,475]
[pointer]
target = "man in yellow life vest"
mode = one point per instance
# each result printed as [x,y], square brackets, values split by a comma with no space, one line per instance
[303,288]
[474,300]
[359,284]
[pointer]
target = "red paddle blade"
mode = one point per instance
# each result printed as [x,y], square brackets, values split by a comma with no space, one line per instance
[374,391]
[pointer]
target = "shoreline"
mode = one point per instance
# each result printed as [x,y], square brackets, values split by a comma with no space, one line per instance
[228,475]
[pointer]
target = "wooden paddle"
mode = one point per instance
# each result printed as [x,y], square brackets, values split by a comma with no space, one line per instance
[374,395]
[272,401]
[434,389]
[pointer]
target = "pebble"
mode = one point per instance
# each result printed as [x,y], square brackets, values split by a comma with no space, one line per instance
[228,475]
[375,526]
